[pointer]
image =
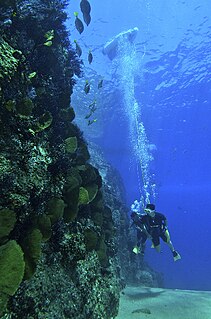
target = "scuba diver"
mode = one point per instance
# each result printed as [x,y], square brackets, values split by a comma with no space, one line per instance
[152,225]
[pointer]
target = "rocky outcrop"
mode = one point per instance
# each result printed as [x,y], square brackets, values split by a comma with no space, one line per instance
[133,270]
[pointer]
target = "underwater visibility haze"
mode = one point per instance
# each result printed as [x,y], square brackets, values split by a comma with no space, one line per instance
[161,79]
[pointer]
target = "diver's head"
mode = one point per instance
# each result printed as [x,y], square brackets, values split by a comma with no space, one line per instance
[150,210]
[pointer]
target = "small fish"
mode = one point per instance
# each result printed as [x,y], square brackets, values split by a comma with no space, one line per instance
[92,121]
[48,43]
[78,48]
[78,23]
[32,75]
[90,57]
[100,84]
[88,115]
[49,35]
[86,9]
[143,310]
[92,104]
[87,18]
[14,14]
[93,109]
[87,87]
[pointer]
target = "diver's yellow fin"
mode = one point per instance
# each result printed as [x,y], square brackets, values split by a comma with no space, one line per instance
[177,256]
[136,250]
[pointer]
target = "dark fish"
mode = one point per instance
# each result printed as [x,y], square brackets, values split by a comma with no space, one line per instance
[87,87]
[143,310]
[78,23]
[100,84]
[78,48]
[90,57]
[92,121]
[92,105]
[87,18]
[88,115]
[85,6]
[86,9]
[92,108]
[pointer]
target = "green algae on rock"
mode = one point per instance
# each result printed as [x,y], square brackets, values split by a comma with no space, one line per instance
[44,225]
[91,239]
[73,180]
[87,194]
[67,114]
[92,190]
[7,222]
[8,63]
[43,122]
[11,271]
[71,144]
[72,200]
[55,209]
[83,196]
[25,107]
[31,246]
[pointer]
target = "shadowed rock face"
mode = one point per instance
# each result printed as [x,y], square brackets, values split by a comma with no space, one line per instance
[111,47]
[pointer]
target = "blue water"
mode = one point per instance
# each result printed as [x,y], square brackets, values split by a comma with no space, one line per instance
[172,86]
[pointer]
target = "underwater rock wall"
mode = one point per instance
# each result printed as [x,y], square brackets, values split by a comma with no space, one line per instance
[133,269]
[56,234]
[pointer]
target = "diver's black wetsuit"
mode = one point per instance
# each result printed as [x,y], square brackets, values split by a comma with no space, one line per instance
[155,226]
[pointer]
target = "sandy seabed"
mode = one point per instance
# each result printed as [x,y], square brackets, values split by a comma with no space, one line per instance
[159,303]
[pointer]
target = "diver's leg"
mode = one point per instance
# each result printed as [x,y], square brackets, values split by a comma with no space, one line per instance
[170,245]
[136,248]
[157,248]
[139,236]
[166,238]
[156,243]
[143,244]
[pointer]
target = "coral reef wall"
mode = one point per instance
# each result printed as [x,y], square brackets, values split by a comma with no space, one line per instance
[57,254]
